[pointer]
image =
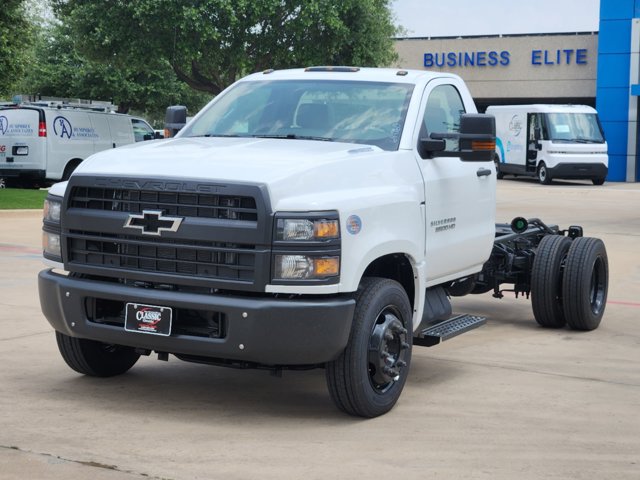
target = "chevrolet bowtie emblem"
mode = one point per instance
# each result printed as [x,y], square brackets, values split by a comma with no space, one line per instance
[152,222]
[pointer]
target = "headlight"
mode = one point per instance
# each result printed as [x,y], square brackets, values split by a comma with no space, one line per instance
[295,229]
[51,245]
[51,211]
[51,240]
[306,248]
[305,267]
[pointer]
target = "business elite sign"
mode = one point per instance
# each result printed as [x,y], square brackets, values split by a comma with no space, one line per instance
[493,58]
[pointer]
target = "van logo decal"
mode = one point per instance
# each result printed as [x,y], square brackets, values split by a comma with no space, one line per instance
[515,125]
[4,124]
[62,127]
[153,222]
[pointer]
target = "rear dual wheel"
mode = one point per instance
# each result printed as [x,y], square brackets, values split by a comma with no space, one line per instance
[569,282]
[585,284]
[546,281]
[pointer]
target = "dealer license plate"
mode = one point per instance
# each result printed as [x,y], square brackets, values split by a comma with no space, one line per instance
[152,319]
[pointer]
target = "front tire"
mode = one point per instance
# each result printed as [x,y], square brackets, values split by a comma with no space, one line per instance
[546,281]
[543,174]
[586,283]
[367,378]
[95,359]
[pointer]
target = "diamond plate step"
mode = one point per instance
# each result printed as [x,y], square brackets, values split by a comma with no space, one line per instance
[447,329]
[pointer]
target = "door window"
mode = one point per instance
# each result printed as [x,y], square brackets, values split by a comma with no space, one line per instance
[442,114]
[140,129]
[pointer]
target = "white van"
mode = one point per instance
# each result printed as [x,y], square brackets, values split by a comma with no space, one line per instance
[42,143]
[550,142]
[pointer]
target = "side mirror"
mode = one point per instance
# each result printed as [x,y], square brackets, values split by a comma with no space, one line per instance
[476,140]
[477,137]
[174,119]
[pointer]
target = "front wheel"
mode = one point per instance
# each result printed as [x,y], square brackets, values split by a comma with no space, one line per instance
[543,174]
[95,359]
[367,378]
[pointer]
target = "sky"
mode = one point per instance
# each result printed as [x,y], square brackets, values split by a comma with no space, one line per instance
[452,18]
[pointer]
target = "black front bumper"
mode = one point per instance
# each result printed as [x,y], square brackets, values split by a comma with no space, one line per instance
[262,330]
[577,171]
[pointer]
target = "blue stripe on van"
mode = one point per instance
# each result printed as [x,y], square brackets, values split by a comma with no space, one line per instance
[499,145]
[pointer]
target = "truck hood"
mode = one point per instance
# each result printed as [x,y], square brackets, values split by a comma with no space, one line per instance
[233,159]
[288,167]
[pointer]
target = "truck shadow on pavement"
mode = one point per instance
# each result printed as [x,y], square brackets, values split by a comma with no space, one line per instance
[200,393]
[197,394]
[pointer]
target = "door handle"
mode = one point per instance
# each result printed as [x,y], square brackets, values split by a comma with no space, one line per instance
[483,172]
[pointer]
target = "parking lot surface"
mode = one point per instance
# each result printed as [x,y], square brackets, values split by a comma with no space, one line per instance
[508,401]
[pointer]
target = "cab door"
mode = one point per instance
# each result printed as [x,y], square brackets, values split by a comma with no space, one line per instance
[459,196]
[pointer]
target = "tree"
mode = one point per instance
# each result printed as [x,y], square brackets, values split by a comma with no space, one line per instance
[62,71]
[16,33]
[211,43]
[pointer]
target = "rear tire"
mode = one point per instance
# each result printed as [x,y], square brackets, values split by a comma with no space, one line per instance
[95,359]
[367,378]
[586,283]
[543,174]
[546,281]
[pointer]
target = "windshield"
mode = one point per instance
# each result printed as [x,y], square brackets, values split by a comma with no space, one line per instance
[574,127]
[342,111]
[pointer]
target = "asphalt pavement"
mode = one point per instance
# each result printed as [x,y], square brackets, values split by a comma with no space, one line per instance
[507,401]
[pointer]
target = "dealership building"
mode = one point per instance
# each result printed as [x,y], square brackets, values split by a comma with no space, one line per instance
[600,69]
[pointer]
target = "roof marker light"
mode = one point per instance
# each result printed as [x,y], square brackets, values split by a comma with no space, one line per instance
[332,69]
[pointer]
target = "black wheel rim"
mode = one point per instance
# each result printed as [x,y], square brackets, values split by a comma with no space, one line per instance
[597,289]
[388,349]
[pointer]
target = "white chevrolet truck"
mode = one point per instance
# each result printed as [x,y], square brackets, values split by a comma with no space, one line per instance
[311,218]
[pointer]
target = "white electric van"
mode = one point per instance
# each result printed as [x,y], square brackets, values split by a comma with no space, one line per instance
[550,142]
[44,142]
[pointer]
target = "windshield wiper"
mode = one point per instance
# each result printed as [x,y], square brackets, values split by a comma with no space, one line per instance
[293,136]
